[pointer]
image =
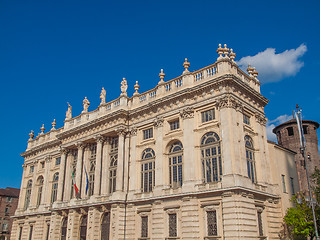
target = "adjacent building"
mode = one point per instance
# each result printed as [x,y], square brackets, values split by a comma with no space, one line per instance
[288,136]
[188,159]
[8,204]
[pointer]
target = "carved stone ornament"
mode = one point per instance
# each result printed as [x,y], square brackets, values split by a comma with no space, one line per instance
[260,119]
[121,131]
[64,150]
[158,122]
[187,113]
[133,131]
[31,135]
[100,139]
[229,102]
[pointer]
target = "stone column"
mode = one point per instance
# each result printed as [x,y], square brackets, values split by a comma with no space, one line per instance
[22,188]
[68,179]
[46,191]
[105,167]
[119,185]
[79,166]
[97,173]
[134,165]
[62,169]
[34,191]
[189,164]
[159,166]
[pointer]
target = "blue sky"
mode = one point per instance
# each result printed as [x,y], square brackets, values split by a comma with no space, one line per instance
[54,52]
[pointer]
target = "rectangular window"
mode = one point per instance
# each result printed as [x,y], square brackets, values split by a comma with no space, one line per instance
[48,230]
[174,125]
[148,133]
[292,186]
[212,223]
[42,164]
[20,234]
[260,223]
[6,211]
[30,233]
[283,183]
[305,129]
[31,169]
[58,160]
[144,226]
[207,116]
[9,199]
[5,227]
[173,225]
[246,119]
[290,131]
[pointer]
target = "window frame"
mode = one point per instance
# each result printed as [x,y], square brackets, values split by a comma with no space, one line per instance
[54,189]
[174,124]
[250,158]
[212,148]
[147,133]
[208,115]
[147,160]
[175,168]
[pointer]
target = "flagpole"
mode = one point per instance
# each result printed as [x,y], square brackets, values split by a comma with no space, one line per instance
[303,151]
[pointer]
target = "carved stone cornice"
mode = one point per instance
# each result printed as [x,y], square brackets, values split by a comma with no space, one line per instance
[158,122]
[187,113]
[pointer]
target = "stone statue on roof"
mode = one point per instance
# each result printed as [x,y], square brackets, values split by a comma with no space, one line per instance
[86,105]
[69,112]
[103,96]
[124,87]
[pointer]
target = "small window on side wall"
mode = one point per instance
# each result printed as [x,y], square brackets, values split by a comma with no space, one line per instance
[148,133]
[208,115]
[290,131]
[174,125]
[58,160]
[246,119]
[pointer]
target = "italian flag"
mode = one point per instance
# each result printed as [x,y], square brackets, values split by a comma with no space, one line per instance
[75,185]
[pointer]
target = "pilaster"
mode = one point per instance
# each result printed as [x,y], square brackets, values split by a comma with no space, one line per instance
[62,170]
[98,169]
[79,166]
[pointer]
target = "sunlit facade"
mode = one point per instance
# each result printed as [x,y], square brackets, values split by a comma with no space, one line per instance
[188,159]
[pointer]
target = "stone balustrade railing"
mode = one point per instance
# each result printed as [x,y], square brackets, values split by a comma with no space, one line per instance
[187,80]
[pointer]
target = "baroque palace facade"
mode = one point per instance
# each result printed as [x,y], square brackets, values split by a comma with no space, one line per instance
[188,159]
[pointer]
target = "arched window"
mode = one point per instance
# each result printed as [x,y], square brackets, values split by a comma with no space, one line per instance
[175,164]
[105,226]
[83,227]
[113,174]
[113,164]
[40,186]
[54,187]
[28,194]
[211,157]
[147,170]
[64,228]
[250,158]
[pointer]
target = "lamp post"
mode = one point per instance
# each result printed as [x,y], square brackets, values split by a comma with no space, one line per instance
[311,201]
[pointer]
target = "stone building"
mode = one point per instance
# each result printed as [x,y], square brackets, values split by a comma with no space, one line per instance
[8,204]
[288,136]
[188,159]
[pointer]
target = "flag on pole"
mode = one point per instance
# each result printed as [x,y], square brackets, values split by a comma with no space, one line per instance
[87,185]
[75,185]
[300,128]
